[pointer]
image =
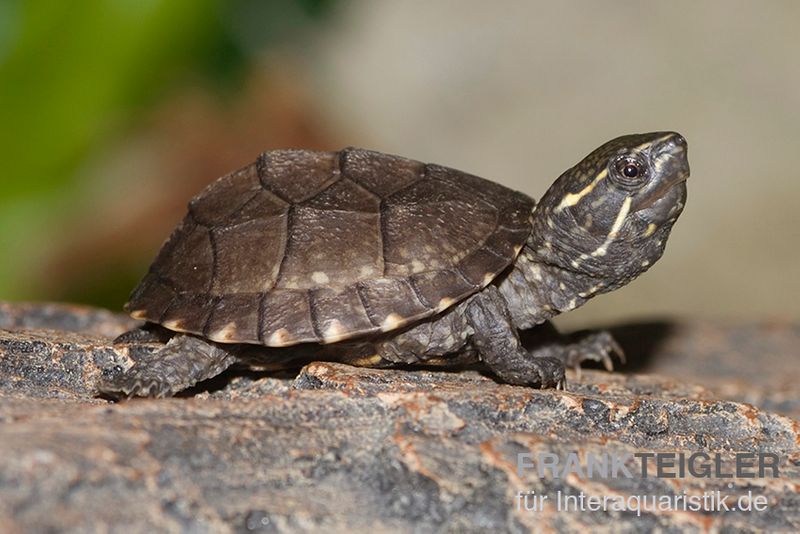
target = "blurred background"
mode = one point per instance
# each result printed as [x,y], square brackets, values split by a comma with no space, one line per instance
[113,113]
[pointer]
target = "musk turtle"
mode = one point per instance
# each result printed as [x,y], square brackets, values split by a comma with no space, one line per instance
[379,260]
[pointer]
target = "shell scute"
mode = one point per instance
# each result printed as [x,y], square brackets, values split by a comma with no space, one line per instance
[279,171]
[289,311]
[187,311]
[239,310]
[381,174]
[223,197]
[339,312]
[337,243]
[187,260]
[306,246]
[248,255]
[434,286]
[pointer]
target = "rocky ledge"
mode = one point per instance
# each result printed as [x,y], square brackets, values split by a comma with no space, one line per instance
[339,449]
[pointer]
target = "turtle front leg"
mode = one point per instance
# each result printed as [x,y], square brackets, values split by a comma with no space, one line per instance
[498,344]
[181,363]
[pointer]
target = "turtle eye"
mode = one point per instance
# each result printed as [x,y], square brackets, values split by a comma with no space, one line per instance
[630,171]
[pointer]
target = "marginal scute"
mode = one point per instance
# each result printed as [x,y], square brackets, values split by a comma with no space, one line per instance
[280,338]
[445,303]
[287,309]
[151,297]
[334,332]
[481,266]
[175,324]
[386,296]
[306,246]
[338,313]
[188,312]
[504,242]
[240,309]
[226,334]
[436,287]
[392,321]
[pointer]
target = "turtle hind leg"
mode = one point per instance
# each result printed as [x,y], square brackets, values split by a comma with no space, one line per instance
[181,363]
[499,346]
[147,333]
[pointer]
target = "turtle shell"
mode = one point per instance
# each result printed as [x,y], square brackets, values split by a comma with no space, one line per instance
[305,246]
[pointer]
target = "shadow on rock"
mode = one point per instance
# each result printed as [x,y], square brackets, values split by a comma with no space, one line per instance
[642,342]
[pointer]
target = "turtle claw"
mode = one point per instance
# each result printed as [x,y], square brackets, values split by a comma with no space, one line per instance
[619,352]
[596,347]
[562,384]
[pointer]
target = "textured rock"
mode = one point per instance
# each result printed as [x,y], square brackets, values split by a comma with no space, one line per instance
[338,449]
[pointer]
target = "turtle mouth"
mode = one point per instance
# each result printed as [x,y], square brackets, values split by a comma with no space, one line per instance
[671,164]
[674,187]
[664,207]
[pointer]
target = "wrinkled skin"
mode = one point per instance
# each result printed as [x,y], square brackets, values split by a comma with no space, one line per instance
[600,225]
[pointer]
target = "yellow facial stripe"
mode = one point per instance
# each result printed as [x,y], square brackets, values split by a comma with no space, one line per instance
[618,222]
[570,199]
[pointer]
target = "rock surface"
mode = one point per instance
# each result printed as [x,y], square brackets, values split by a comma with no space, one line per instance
[340,449]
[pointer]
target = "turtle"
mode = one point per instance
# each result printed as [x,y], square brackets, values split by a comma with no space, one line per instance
[378,260]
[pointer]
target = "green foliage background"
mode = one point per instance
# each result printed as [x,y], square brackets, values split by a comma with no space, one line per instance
[74,76]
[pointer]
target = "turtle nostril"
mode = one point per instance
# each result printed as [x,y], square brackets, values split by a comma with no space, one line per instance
[673,144]
[679,141]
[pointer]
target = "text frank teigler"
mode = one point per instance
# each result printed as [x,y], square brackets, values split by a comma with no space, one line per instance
[643,465]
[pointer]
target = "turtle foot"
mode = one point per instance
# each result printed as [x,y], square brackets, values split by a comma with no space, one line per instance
[596,347]
[181,363]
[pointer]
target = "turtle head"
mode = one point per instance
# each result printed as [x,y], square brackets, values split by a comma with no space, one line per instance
[610,215]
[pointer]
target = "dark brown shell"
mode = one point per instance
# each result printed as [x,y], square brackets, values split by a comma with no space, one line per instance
[306,246]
